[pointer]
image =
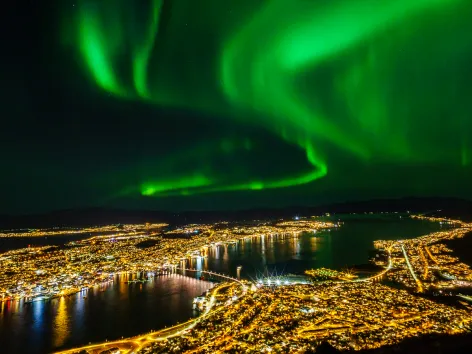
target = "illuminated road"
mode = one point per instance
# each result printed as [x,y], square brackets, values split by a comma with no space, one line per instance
[380,275]
[465,297]
[425,262]
[223,276]
[418,282]
[229,337]
[134,344]
[331,323]
[321,329]
[430,255]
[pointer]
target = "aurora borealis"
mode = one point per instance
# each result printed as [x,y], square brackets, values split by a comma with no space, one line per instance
[235,103]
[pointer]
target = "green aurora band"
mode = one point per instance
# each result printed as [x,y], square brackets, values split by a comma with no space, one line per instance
[270,62]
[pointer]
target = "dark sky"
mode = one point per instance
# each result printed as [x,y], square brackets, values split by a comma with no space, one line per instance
[216,104]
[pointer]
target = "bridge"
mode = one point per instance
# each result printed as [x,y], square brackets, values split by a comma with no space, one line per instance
[210,273]
[136,343]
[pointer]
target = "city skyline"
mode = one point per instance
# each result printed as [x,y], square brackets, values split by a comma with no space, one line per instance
[411,288]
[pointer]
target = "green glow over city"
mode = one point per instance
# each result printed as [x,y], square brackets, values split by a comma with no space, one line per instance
[290,95]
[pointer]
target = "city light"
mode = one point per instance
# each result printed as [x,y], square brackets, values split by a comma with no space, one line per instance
[275,313]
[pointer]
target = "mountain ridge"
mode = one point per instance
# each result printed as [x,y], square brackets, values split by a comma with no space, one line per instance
[440,206]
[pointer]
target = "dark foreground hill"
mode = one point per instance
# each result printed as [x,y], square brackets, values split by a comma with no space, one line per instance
[431,344]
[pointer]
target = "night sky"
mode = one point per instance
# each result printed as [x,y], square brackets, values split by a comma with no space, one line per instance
[229,104]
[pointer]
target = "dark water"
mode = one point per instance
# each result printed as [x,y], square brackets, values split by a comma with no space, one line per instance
[122,309]
[107,312]
[338,248]
[11,243]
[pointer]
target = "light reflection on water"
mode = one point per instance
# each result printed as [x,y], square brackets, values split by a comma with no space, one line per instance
[338,248]
[109,311]
[61,324]
[120,309]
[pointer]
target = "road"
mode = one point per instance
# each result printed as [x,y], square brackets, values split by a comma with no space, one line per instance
[412,272]
[134,344]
